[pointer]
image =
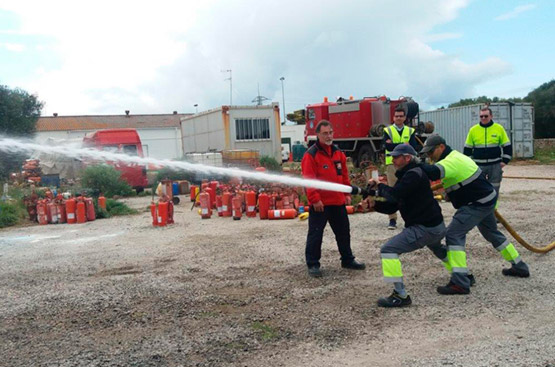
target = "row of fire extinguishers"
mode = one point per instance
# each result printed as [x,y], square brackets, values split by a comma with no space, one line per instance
[162,212]
[235,200]
[73,210]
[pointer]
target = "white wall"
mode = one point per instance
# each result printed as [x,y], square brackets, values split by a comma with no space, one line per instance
[161,143]
[295,132]
[203,132]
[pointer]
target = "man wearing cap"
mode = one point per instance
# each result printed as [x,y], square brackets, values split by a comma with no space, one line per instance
[424,226]
[394,135]
[474,198]
[489,147]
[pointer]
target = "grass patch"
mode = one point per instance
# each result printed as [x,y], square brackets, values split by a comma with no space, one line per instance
[10,214]
[545,155]
[268,332]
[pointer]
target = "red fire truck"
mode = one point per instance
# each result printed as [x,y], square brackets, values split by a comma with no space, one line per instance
[126,141]
[358,124]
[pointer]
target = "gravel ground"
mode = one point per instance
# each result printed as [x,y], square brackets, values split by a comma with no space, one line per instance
[218,292]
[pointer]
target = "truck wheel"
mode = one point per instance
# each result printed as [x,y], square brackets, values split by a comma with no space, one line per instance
[365,155]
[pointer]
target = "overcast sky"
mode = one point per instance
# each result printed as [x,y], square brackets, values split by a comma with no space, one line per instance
[105,57]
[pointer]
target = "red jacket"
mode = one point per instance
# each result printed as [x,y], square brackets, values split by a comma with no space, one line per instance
[325,163]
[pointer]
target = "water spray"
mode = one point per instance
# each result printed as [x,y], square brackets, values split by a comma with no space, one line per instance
[10,145]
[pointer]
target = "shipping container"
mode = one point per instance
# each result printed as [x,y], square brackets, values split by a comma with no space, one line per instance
[517,119]
[233,128]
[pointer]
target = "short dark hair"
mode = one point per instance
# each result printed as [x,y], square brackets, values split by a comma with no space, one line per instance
[322,123]
[487,109]
[400,109]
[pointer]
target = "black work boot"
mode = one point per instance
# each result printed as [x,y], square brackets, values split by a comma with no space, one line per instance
[314,271]
[516,272]
[452,288]
[471,279]
[395,300]
[354,265]
[392,224]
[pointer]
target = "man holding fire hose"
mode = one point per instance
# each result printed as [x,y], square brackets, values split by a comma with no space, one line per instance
[424,226]
[324,161]
[474,198]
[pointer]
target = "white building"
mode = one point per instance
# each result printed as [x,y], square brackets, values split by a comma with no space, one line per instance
[160,134]
[234,127]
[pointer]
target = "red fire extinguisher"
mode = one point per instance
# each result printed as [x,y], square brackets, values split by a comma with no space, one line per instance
[237,203]
[162,213]
[102,202]
[71,210]
[42,217]
[61,212]
[154,214]
[219,205]
[205,207]
[250,198]
[170,212]
[282,214]
[52,208]
[263,205]
[91,214]
[80,212]
[226,204]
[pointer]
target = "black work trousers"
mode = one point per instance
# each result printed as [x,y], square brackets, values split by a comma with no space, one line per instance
[336,215]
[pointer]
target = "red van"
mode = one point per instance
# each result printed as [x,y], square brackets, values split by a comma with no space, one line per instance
[126,141]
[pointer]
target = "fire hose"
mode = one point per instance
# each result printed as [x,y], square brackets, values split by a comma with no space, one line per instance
[516,236]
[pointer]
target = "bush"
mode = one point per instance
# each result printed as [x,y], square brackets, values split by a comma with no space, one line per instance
[114,208]
[270,163]
[10,213]
[105,179]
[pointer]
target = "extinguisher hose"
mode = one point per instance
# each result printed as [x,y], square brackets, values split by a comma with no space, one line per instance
[195,201]
[516,236]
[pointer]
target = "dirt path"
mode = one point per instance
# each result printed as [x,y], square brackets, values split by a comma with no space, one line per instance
[218,292]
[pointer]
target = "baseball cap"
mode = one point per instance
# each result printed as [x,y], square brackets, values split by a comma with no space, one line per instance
[432,142]
[403,149]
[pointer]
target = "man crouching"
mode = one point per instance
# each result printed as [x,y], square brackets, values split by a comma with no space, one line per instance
[424,225]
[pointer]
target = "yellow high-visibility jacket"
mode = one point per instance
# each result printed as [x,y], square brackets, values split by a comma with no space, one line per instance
[488,144]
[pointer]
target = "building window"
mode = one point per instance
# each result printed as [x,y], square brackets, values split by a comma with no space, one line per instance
[252,129]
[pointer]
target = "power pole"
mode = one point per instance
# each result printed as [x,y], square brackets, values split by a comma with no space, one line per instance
[230,85]
[259,99]
[283,95]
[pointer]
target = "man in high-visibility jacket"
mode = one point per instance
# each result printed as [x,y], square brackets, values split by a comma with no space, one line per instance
[489,146]
[393,135]
[474,198]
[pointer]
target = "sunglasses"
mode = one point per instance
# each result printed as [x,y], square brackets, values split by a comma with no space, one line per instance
[484,116]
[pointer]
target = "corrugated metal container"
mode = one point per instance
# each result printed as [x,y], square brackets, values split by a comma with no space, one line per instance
[517,119]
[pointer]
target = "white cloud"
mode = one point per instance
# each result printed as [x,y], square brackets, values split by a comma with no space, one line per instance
[159,58]
[515,12]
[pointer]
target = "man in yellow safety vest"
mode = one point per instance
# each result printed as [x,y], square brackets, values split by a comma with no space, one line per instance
[474,198]
[393,135]
[489,147]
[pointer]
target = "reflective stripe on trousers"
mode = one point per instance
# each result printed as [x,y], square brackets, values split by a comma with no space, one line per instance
[391,266]
[509,252]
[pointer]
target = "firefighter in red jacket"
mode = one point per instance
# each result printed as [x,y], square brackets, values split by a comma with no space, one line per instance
[324,161]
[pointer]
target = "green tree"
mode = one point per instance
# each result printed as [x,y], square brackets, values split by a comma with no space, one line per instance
[19,113]
[484,100]
[543,100]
